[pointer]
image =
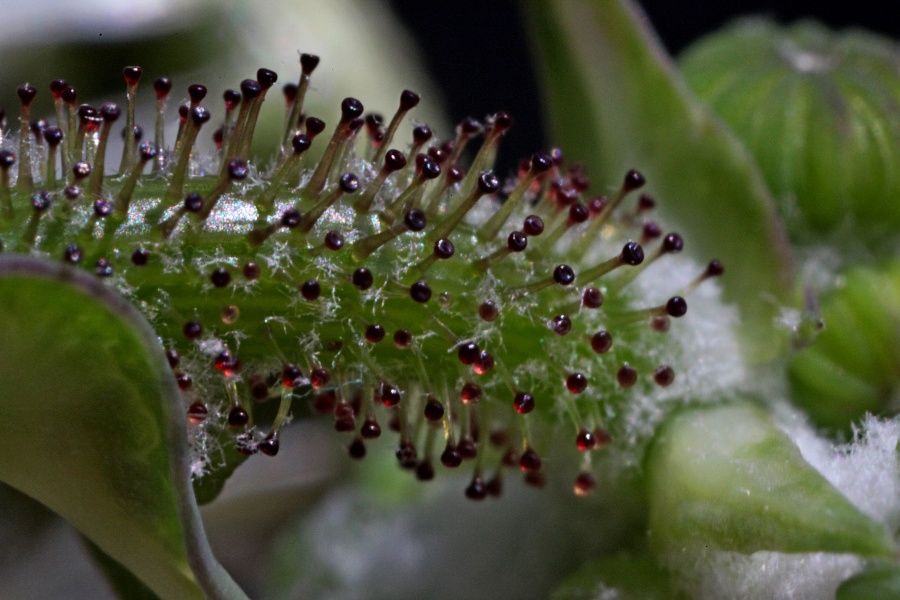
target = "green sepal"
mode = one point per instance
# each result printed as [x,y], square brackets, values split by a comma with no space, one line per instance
[727,478]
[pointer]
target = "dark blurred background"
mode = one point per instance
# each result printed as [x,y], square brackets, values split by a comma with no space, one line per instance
[478,53]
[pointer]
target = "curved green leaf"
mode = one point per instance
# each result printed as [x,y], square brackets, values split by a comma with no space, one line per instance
[616,102]
[91,425]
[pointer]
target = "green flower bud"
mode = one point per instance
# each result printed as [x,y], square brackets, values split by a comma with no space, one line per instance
[852,367]
[879,581]
[817,110]
[724,477]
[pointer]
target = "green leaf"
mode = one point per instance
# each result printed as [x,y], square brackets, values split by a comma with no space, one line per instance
[725,477]
[616,102]
[92,426]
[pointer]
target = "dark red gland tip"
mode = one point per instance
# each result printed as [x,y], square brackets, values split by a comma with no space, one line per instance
[484,364]
[584,484]
[394,160]
[563,275]
[192,330]
[488,183]
[184,381]
[357,449]
[162,87]
[237,416]
[433,410]
[715,268]
[672,244]
[41,202]
[370,429]
[592,298]
[530,461]
[517,241]
[420,292]
[476,490]
[290,376]
[407,455]
[308,63]
[72,254]
[200,115]
[193,202]
[450,457]
[585,441]
[664,376]
[561,325]
[390,395]
[541,162]
[334,240]
[197,413]
[197,93]
[578,213]
[266,78]
[488,311]
[103,268]
[425,471]
[626,376]
[501,122]
[601,342]
[290,218]
[310,290]
[269,445]
[468,353]
[632,254]
[132,75]
[69,95]
[443,249]
[470,393]
[576,383]
[467,448]
[646,203]
[319,377]
[140,257]
[523,403]
[633,180]
[351,108]
[220,277]
[232,98]
[314,127]
[374,333]
[300,143]
[402,339]
[676,306]
[250,89]
[408,100]
[57,86]
[415,219]
[26,93]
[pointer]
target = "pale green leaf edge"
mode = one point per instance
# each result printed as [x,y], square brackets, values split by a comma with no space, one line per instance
[613,95]
[211,578]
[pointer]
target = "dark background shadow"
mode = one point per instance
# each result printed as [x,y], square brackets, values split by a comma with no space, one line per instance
[477,50]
